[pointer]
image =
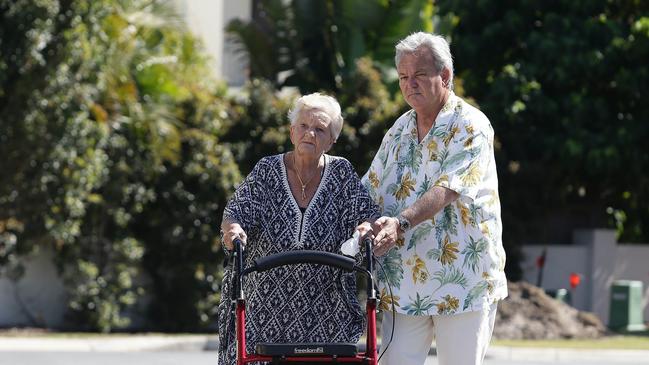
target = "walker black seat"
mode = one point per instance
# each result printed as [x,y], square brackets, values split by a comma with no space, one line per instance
[306,349]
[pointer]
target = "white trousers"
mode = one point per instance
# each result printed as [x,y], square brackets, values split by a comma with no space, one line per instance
[461,339]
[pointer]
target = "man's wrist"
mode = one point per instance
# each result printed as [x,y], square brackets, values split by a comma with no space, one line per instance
[403,224]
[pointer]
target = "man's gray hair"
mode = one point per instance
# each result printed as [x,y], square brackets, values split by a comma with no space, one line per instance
[437,45]
[324,103]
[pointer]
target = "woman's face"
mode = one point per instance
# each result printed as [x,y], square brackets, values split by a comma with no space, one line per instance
[311,133]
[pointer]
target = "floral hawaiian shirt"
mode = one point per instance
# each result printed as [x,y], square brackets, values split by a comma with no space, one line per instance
[454,262]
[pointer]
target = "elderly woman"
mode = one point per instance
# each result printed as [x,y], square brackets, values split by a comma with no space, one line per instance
[303,199]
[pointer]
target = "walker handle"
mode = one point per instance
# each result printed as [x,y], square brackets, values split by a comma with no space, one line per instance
[367,241]
[302,257]
[237,293]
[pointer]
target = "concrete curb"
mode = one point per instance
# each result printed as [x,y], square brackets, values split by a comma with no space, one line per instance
[135,343]
[111,343]
[564,355]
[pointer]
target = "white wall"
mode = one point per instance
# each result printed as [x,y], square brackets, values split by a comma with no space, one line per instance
[40,290]
[235,65]
[207,20]
[559,263]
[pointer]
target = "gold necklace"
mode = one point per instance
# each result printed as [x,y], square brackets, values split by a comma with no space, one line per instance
[303,185]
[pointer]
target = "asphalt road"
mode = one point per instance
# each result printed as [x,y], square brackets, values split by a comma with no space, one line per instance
[190,358]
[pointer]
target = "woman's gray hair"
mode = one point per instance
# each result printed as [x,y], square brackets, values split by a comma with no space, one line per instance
[324,103]
[438,47]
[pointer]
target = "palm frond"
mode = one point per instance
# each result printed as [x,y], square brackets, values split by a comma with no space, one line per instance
[434,253]
[424,187]
[387,173]
[420,232]
[447,223]
[474,293]
[419,306]
[394,209]
[393,269]
[450,275]
[452,160]
[473,251]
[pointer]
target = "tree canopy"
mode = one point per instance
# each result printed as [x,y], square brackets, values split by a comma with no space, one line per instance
[314,45]
[110,135]
[563,83]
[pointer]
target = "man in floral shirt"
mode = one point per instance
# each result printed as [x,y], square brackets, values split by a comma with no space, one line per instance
[434,178]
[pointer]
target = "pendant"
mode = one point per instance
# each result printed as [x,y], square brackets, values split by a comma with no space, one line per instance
[303,193]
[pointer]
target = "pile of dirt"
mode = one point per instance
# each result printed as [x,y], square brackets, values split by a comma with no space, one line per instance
[529,313]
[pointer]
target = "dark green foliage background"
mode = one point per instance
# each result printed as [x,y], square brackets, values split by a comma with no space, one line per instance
[110,140]
[564,85]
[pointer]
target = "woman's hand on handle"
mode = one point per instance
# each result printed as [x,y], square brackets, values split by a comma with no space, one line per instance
[231,231]
[364,229]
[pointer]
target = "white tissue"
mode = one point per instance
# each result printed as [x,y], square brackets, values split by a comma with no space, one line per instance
[351,246]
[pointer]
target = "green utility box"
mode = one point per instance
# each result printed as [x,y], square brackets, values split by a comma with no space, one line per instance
[626,306]
[563,295]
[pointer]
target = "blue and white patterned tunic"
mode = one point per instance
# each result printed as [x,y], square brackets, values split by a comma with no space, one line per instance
[298,303]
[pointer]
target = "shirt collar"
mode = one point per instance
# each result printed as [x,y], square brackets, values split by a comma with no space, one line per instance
[443,118]
[448,109]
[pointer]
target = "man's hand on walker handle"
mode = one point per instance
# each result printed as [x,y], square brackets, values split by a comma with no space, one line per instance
[387,236]
[232,231]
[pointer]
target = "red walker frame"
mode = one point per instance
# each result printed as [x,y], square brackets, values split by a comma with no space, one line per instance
[370,356]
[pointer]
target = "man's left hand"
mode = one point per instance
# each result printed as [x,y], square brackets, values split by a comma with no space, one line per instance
[387,236]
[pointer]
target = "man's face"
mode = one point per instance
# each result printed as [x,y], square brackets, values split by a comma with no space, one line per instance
[421,85]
